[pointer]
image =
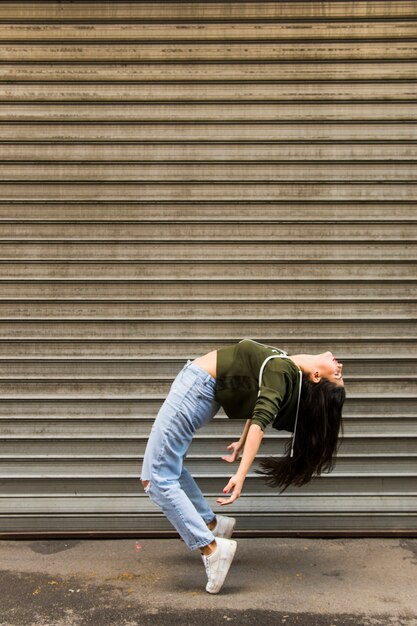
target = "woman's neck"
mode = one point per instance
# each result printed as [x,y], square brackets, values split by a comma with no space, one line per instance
[303,362]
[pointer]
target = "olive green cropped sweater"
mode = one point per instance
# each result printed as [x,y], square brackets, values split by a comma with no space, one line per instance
[259,382]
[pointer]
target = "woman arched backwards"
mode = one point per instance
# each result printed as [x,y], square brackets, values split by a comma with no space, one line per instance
[302,393]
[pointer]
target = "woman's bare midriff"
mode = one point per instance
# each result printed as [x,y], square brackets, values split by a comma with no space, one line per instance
[208,362]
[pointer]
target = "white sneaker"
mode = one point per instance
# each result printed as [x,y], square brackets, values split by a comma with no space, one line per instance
[224,527]
[218,563]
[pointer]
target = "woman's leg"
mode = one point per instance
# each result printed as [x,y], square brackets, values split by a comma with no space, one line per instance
[193,491]
[189,405]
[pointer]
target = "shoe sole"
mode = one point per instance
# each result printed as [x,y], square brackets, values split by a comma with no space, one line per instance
[220,583]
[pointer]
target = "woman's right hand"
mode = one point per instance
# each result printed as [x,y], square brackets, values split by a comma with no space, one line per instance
[237,483]
[235,448]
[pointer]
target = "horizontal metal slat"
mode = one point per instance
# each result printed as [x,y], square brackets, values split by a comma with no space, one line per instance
[210,131]
[198,250]
[156,388]
[64,426]
[187,31]
[203,11]
[130,486]
[130,72]
[234,212]
[264,291]
[150,368]
[91,447]
[237,91]
[377,310]
[202,152]
[118,466]
[147,408]
[264,504]
[279,524]
[326,327]
[202,111]
[217,172]
[126,525]
[160,232]
[207,51]
[209,192]
[174,347]
[208,270]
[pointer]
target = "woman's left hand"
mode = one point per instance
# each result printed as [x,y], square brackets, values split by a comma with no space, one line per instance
[237,483]
[235,448]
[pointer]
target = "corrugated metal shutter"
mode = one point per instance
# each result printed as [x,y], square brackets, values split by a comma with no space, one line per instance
[177,176]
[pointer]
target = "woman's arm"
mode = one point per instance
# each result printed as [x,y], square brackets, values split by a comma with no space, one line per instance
[253,441]
[236,446]
[244,434]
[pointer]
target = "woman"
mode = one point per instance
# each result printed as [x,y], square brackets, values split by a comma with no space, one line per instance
[302,393]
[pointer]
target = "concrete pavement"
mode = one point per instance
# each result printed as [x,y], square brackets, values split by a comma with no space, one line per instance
[136,582]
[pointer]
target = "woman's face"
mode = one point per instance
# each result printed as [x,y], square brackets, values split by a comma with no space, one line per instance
[327,366]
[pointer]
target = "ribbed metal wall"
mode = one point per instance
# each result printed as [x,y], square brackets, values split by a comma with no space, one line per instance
[177,176]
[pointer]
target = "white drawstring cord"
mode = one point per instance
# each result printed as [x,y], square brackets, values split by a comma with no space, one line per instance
[261,371]
[282,356]
[296,416]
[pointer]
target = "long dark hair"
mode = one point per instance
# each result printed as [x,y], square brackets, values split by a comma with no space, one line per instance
[315,445]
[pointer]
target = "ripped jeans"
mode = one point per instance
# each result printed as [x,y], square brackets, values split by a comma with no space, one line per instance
[189,405]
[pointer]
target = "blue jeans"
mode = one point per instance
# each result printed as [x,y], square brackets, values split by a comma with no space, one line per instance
[189,405]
